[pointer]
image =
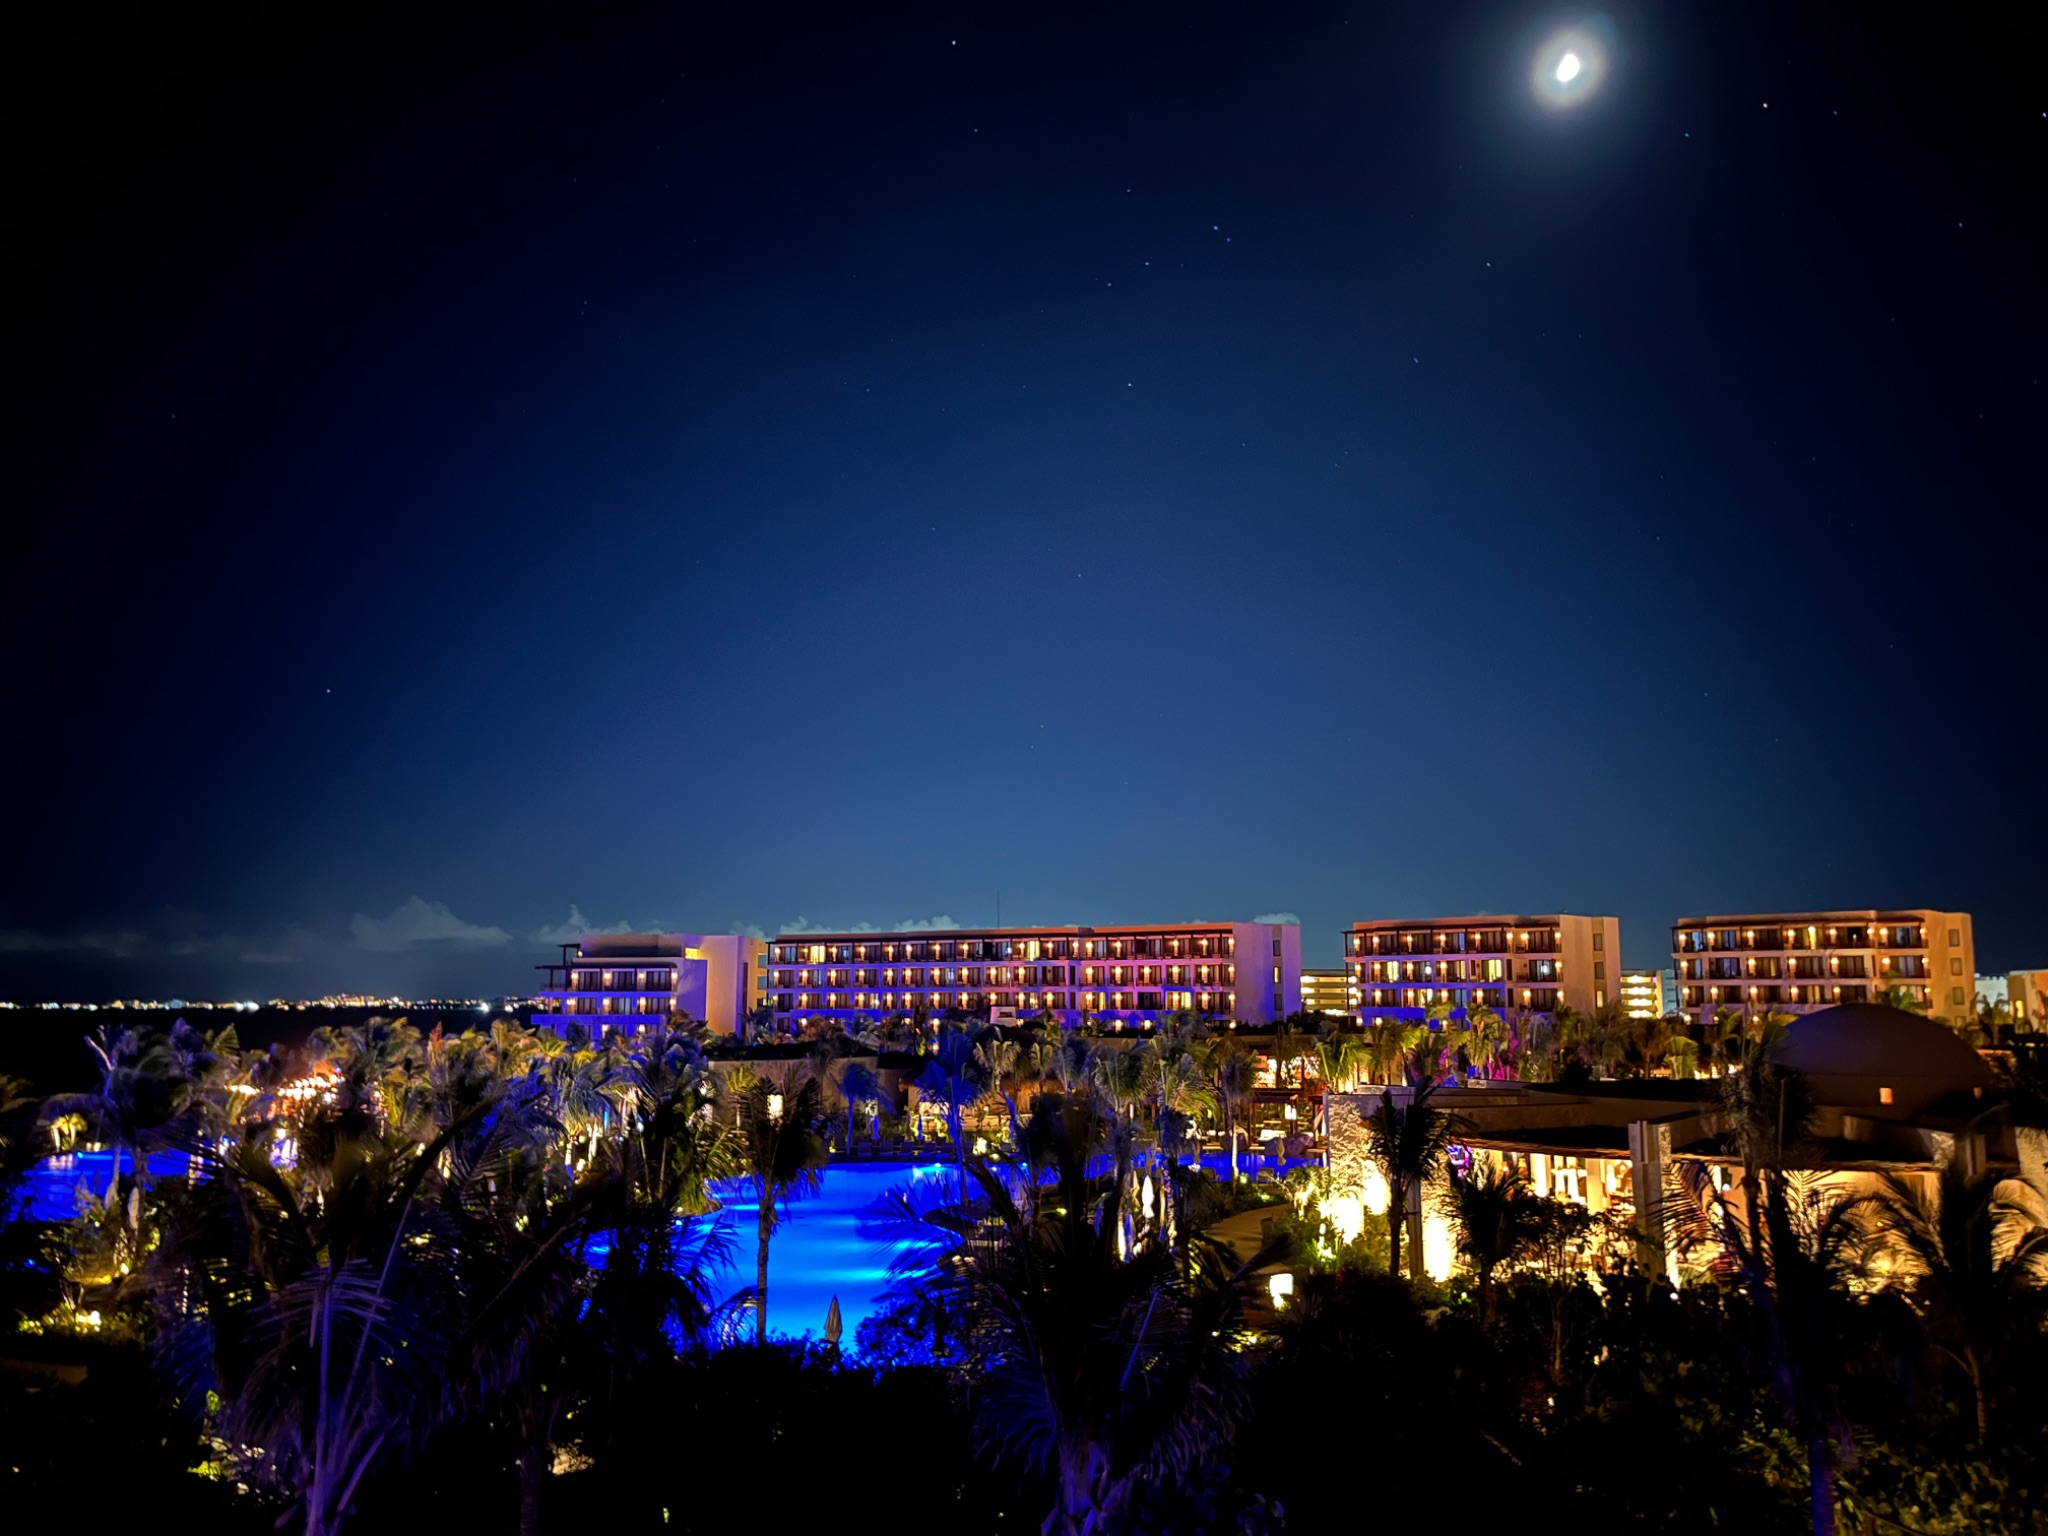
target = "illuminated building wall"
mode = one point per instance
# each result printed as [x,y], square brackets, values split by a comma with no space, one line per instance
[1328,992]
[1244,971]
[1799,961]
[636,979]
[1642,994]
[2026,993]
[1402,967]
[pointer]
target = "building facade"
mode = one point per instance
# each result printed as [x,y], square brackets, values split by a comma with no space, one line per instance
[2026,994]
[637,978]
[1795,962]
[1642,994]
[1401,968]
[1328,992]
[1125,974]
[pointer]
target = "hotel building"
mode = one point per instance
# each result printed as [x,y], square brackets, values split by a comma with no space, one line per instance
[1328,992]
[637,978]
[2026,994]
[1403,967]
[1642,994]
[1243,971]
[1795,962]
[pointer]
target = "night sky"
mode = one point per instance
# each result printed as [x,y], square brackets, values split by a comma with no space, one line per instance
[716,468]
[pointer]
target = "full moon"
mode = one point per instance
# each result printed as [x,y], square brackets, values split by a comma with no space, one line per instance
[1570,65]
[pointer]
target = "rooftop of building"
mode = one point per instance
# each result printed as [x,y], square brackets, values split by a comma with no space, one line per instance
[1838,915]
[649,946]
[1883,1060]
[871,936]
[1661,1090]
[1479,920]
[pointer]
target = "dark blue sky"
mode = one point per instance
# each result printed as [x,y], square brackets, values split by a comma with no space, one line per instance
[1153,462]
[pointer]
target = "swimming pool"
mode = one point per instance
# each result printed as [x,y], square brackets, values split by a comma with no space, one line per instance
[53,1183]
[819,1252]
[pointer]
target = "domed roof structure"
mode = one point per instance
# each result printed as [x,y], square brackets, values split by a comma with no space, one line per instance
[1880,1061]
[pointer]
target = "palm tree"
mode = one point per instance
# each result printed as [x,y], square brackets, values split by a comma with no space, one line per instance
[1499,1218]
[1410,1143]
[1574,1036]
[1235,1076]
[859,1085]
[1793,1260]
[1768,1111]
[1609,1033]
[520,1220]
[782,1130]
[1339,1060]
[550,1331]
[1972,1254]
[1005,1067]
[1485,1039]
[1535,1048]
[319,1305]
[1063,1057]
[1097,1370]
[1179,1094]
[591,1091]
[142,1091]
[954,1076]
[1288,1045]
[1390,1049]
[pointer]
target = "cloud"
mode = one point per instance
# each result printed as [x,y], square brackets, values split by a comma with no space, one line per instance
[1278,917]
[805,925]
[25,941]
[294,945]
[174,935]
[574,928]
[422,922]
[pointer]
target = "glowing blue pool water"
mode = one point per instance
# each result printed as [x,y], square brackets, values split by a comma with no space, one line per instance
[53,1183]
[819,1250]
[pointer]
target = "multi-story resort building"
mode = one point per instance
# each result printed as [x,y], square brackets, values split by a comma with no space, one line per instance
[1249,972]
[641,977]
[1642,994]
[1795,962]
[1328,992]
[1404,967]
[2026,995]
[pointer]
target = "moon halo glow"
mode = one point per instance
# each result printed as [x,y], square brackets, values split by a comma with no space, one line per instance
[1569,66]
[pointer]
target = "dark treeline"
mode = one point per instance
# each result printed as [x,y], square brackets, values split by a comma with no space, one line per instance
[434,1279]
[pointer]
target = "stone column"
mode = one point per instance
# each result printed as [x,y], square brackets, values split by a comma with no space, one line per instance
[1346,1114]
[1649,1155]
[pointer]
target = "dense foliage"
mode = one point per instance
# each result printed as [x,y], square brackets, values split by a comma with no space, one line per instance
[426,1279]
